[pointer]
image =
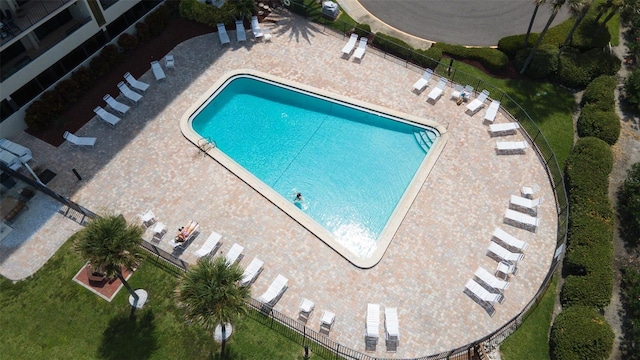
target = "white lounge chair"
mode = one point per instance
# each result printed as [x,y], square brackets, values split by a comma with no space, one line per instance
[241,33]
[489,279]
[459,91]
[511,147]
[504,128]
[12,161]
[252,270]
[23,153]
[159,229]
[136,84]
[529,191]
[147,218]
[362,47]
[327,320]
[255,27]
[373,320]
[348,47]
[116,105]
[530,205]
[276,288]
[509,239]
[306,307]
[169,62]
[234,253]
[80,141]
[423,81]
[158,73]
[222,34]
[392,327]
[131,95]
[482,293]
[477,103]
[437,91]
[503,253]
[527,221]
[506,268]
[106,116]
[212,241]
[492,111]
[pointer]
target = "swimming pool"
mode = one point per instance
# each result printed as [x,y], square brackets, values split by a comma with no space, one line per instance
[352,164]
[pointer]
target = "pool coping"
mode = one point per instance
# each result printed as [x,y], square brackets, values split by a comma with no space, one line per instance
[401,209]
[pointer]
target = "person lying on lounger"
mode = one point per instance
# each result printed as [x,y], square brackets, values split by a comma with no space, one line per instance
[186,231]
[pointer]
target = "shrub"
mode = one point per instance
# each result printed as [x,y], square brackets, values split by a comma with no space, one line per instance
[629,206]
[580,332]
[584,39]
[69,90]
[99,66]
[595,287]
[158,20]
[111,54]
[600,92]
[37,116]
[632,88]
[588,166]
[630,294]
[543,63]
[143,32]
[429,58]
[393,46]
[127,42]
[493,60]
[510,45]
[363,30]
[203,13]
[604,125]
[54,103]
[578,70]
[84,77]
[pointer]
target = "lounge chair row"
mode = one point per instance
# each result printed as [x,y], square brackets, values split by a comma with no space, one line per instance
[351,44]
[13,154]
[241,33]
[392,327]
[326,321]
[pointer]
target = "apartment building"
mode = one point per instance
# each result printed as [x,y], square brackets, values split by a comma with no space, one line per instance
[42,41]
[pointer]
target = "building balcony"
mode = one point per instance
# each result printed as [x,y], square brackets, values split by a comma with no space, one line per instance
[29,14]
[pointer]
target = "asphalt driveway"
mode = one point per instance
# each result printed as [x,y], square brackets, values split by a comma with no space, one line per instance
[465,22]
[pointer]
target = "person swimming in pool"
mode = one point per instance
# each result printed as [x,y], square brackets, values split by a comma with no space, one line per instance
[298,197]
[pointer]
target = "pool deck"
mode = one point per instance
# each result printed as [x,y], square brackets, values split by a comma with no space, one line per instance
[146,163]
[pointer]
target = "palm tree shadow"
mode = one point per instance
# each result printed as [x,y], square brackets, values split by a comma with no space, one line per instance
[228,355]
[129,337]
[296,26]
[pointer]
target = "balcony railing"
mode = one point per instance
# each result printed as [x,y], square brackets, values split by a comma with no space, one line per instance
[27,16]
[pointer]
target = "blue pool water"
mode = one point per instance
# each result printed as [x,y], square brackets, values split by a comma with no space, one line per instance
[351,166]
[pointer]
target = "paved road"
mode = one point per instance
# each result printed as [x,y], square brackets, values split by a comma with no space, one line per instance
[465,22]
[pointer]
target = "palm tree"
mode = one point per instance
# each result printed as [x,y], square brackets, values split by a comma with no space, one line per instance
[614,6]
[210,294]
[555,7]
[242,8]
[111,245]
[578,9]
[533,18]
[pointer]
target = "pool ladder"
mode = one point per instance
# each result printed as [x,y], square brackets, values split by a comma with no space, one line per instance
[424,139]
[206,144]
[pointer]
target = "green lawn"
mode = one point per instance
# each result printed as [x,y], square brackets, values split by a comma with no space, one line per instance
[531,341]
[48,316]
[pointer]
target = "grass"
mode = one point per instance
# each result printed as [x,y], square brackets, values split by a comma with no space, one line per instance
[48,316]
[531,340]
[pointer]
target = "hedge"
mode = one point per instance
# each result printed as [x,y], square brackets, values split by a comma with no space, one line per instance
[493,60]
[629,206]
[604,125]
[543,64]
[592,285]
[580,333]
[510,45]
[587,168]
[600,92]
[632,88]
[577,70]
[204,13]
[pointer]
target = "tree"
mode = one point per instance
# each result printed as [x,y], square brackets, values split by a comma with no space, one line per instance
[242,8]
[555,7]
[613,7]
[533,18]
[632,88]
[210,294]
[578,9]
[111,245]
